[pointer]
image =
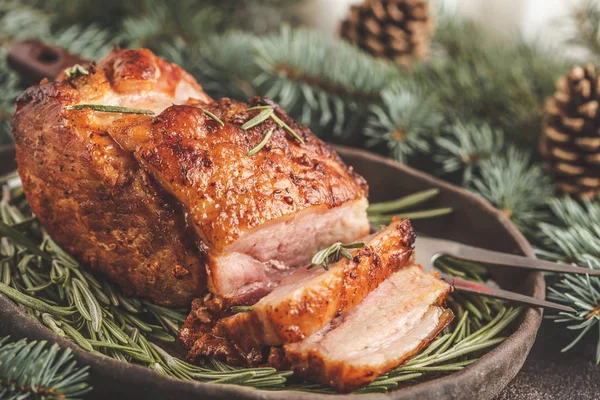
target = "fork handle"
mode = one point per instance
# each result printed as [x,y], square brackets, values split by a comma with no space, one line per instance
[35,60]
[464,285]
[487,256]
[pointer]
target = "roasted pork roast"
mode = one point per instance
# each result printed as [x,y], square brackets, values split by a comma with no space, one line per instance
[169,197]
[164,204]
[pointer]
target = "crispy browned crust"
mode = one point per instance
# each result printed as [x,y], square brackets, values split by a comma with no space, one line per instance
[226,192]
[297,318]
[91,196]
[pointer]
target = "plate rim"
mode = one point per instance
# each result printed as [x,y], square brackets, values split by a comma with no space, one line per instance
[521,340]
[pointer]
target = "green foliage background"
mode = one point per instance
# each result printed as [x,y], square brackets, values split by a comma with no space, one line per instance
[471,114]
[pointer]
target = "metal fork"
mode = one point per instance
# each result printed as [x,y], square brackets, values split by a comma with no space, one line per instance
[428,250]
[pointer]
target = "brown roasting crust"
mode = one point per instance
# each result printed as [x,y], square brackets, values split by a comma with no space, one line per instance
[113,189]
[226,192]
[91,196]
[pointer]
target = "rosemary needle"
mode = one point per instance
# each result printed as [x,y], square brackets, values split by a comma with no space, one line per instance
[213,116]
[332,254]
[261,117]
[285,126]
[76,70]
[262,143]
[110,109]
[241,309]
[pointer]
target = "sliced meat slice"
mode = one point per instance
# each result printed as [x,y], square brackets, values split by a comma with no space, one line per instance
[310,298]
[394,322]
[261,259]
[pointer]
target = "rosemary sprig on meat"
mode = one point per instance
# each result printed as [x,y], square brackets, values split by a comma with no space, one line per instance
[262,143]
[75,70]
[241,309]
[333,253]
[110,109]
[265,113]
[98,317]
[213,116]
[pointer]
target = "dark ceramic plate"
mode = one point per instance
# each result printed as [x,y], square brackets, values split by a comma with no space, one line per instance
[473,222]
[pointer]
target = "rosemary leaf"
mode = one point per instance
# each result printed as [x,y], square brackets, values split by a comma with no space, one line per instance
[385,219]
[285,126]
[213,116]
[95,312]
[52,324]
[262,143]
[22,240]
[260,118]
[332,254]
[110,109]
[402,203]
[257,108]
[241,309]
[34,303]
[75,70]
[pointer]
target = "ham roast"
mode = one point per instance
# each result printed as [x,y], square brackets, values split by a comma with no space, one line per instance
[172,205]
[165,204]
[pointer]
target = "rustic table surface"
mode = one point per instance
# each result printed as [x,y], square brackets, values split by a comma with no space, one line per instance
[550,374]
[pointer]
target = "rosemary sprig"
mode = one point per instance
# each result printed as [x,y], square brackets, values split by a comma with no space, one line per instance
[332,254]
[382,213]
[262,143]
[110,109]
[213,116]
[265,113]
[259,118]
[75,70]
[240,309]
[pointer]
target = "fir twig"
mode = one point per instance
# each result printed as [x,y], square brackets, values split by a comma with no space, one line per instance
[516,187]
[32,370]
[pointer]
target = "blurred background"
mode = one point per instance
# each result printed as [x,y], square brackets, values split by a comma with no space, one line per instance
[507,18]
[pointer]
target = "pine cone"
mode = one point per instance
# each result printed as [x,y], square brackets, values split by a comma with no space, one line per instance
[570,141]
[400,30]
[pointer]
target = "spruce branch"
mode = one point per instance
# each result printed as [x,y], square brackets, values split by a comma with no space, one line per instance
[406,122]
[224,65]
[464,146]
[516,187]
[585,18]
[34,370]
[573,236]
[323,82]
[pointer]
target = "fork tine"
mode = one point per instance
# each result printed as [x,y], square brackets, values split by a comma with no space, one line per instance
[474,287]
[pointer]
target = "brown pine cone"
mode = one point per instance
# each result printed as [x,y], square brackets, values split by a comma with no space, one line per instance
[400,30]
[570,142]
